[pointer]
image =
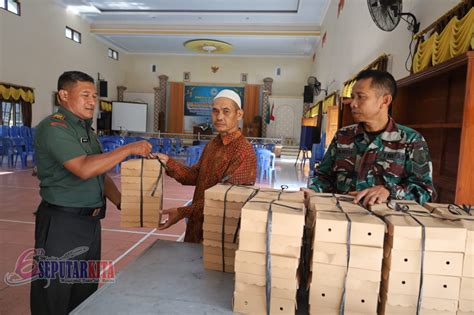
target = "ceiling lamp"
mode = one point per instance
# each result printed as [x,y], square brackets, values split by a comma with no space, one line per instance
[208,46]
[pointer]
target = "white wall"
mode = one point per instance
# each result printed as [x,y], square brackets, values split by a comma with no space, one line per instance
[353,39]
[287,112]
[148,98]
[294,71]
[35,52]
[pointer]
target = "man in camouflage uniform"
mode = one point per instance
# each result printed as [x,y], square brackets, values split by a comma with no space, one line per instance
[376,159]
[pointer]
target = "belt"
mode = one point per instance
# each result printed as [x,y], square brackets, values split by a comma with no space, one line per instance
[95,213]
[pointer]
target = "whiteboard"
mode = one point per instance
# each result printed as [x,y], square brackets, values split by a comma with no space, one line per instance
[129,116]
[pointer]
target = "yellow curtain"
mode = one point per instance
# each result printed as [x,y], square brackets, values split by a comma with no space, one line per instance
[328,101]
[313,111]
[347,89]
[455,39]
[9,93]
[105,106]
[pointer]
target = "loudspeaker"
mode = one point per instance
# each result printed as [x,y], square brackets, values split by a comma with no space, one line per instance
[308,94]
[102,88]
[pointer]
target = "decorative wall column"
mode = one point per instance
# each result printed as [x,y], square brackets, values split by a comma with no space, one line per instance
[160,99]
[120,91]
[267,91]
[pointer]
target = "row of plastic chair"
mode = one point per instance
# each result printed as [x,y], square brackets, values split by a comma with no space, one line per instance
[269,146]
[16,131]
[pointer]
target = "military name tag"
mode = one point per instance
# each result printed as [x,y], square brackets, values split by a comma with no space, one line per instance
[84,140]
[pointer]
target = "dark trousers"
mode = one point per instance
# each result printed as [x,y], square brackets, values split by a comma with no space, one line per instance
[58,233]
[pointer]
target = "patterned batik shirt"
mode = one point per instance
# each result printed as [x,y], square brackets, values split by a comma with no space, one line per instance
[230,158]
[397,158]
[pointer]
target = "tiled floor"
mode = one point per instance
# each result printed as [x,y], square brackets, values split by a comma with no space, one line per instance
[19,197]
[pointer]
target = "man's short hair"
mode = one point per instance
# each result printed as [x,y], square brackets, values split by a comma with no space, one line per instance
[380,79]
[69,78]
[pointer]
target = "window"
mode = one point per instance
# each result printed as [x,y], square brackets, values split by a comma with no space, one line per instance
[11,114]
[12,6]
[73,35]
[113,54]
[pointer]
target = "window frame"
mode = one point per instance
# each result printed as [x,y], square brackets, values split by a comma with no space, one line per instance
[113,54]
[5,6]
[14,114]
[74,33]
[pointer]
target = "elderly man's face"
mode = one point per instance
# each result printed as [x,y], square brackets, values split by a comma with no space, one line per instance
[369,103]
[225,115]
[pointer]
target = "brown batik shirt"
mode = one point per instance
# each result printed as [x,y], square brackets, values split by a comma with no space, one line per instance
[230,157]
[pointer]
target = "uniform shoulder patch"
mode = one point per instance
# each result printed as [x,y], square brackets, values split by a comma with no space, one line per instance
[56,123]
[58,116]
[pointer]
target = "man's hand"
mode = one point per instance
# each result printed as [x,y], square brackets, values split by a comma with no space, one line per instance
[173,218]
[371,196]
[142,148]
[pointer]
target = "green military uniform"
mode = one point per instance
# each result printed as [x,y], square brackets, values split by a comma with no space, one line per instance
[68,216]
[397,158]
[60,138]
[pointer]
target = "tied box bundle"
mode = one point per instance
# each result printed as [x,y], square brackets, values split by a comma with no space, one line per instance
[142,193]
[423,260]
[222,208]
[463,214]
[266,264]
[347,253]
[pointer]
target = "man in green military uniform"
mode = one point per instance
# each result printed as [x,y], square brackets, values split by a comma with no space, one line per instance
[73,187]
[376,159]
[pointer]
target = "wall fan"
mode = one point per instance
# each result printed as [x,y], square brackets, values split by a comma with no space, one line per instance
[315,85]
[388,13]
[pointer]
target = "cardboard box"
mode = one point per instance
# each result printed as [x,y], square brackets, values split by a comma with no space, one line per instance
[399,260]
[259,280]
[218,220]
[255,263]
[443,263]
[217,228]
[405,232]
[467,289]
[279,244]
[217,251]
[466,306]
[442,287]
[232,194]
[229,213]
[366,229]
[218,267]
[214,236]
[398,310]
[410,301]
[218,244]
[261,291]
[468,266]
[247,303]
[132,194]
[362,257]
[401,282]
[357,279]
[356,301]
[278,194]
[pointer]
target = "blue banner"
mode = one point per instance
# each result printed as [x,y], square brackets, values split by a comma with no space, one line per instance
[198,103]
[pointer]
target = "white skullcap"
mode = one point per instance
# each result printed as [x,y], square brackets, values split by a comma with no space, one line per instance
[230,95]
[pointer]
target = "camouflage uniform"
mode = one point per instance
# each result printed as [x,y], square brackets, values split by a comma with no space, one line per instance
[397,158]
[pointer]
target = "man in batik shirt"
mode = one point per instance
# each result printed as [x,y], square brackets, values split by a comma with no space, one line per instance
[376,159]
[228,158]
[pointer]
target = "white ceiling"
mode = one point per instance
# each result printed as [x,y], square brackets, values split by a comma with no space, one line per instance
[253,27]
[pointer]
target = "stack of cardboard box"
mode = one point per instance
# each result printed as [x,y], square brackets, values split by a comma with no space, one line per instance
[423,256]
[251,263]
[142,193]
[347,257]
[455,212]
[218,251]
